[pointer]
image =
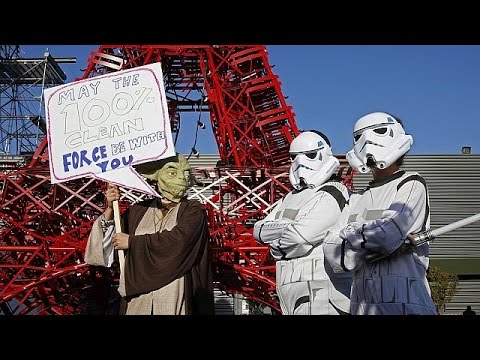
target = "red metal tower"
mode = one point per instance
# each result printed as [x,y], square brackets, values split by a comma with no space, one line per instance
[44,227]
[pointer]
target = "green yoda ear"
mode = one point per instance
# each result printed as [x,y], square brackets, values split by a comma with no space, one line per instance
[150,176]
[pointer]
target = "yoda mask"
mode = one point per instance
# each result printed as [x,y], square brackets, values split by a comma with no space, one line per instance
[172,175]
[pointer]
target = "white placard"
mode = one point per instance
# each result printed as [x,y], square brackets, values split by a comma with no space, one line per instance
[102,126]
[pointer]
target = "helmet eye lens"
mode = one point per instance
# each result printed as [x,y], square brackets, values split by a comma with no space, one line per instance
[357,137]
[380,130]
[310,154]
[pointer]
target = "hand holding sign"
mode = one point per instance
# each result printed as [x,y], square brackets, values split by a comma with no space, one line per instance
[102,126]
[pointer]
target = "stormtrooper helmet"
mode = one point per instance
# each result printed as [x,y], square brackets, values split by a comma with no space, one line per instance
[379,141]
[312,160]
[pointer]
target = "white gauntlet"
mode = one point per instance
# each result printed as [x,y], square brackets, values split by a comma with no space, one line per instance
[353,234]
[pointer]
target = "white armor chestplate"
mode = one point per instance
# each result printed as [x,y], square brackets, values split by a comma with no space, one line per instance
[379,221]
[295,230]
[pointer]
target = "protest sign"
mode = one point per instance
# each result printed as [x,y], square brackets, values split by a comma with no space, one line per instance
[103,125]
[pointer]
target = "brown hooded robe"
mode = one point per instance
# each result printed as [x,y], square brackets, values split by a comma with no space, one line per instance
[154,260]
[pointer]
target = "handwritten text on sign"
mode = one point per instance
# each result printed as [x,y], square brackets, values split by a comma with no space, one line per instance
[102,126]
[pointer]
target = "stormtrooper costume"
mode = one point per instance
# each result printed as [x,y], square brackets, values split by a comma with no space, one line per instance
[296,227]
[381,217]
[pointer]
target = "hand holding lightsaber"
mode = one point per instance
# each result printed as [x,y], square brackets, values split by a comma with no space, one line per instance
[428,235]
[423,237]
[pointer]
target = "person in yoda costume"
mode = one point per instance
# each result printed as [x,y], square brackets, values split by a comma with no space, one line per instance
[165,240]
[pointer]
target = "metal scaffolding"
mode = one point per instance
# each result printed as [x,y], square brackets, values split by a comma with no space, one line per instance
[22,81]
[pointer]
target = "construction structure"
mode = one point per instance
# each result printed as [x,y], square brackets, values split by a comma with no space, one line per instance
[44,227]
[22,81]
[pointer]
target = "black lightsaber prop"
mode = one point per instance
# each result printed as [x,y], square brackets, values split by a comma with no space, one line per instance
[427,235]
